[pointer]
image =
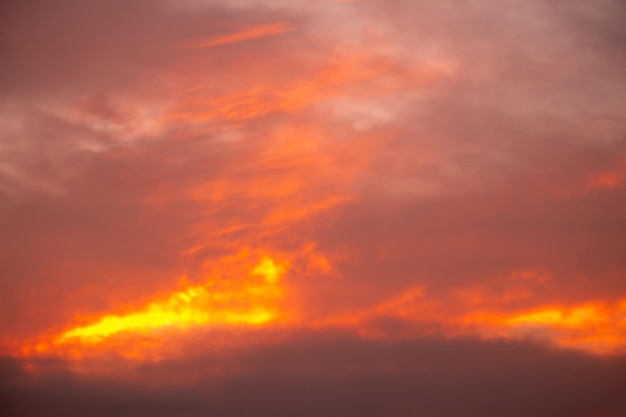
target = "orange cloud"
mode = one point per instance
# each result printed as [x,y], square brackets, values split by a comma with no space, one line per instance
[230,301]
[255,32]
[594,327]
[329,81]
[266,161]
[607,180]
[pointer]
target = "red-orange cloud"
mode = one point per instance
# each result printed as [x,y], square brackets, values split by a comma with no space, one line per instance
[254,32]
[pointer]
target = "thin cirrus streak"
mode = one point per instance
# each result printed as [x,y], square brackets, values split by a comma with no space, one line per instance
[330,81]
[254,32]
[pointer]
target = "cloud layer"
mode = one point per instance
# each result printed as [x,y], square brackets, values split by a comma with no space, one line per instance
[332,374]
[426,177]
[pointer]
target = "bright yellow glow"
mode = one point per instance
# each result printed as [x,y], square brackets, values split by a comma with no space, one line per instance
[594,327]
[580,316]
[268,269]
[539,317]
[232,303]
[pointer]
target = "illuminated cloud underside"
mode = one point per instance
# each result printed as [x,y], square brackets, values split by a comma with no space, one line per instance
[247,302]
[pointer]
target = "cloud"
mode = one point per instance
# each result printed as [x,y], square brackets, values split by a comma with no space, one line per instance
[422,170]
[255,32]
[336,374]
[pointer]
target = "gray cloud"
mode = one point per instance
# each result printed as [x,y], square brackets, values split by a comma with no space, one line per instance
[334,374]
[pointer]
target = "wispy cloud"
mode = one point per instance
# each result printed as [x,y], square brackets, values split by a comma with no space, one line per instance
[254,32]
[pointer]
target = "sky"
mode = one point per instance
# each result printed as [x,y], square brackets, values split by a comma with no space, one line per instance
[313,207]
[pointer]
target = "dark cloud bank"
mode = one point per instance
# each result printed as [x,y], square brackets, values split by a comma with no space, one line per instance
[337,375]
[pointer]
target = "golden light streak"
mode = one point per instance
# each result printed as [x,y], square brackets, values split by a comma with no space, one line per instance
[580,316]
[250,301]
[593,327]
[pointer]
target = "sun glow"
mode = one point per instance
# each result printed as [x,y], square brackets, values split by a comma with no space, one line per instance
[593,327]
[249,301]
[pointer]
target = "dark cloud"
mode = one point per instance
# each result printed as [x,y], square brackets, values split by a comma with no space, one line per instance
[334,374]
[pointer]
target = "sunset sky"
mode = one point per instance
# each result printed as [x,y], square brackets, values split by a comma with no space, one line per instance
[313,208]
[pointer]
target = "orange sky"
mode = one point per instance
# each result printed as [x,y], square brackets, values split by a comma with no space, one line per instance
[212,183]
